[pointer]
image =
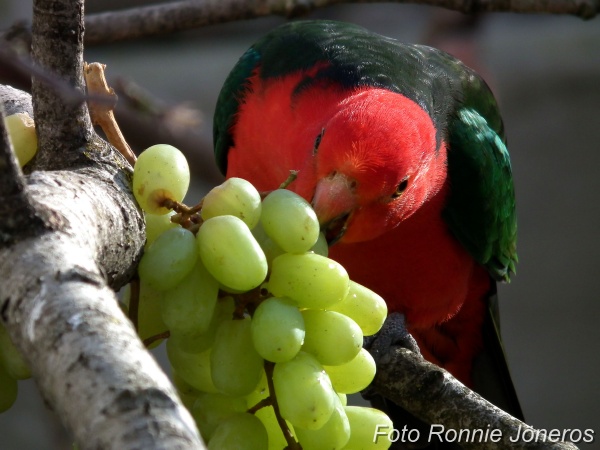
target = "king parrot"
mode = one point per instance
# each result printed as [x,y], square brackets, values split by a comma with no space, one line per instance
[400,149]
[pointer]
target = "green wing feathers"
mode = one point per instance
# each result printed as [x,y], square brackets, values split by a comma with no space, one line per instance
[481,206]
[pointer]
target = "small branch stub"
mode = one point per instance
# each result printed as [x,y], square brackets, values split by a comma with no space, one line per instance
[102,112]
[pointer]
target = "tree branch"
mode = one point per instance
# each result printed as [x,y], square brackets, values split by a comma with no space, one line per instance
[436,397]
[57,46]
[63,316]
[58,304]
[182,15]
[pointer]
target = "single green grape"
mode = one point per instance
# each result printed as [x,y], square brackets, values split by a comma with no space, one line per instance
[290,221]
[363,306]
[193,368]
[14,363]
[9,389]
[364,423]
[304,392]
[210,410]
[192,342]
[149,320]
[236,367]
[241,431]
[21,129]
[231,254]
[196,342]
[332,436]
[235,197]
[169,259]
[355,375]
[311,280]
[188,307]
[161,172]
[331,337]
[277,329]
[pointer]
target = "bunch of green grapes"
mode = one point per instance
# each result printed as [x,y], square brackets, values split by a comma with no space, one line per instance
[265,331]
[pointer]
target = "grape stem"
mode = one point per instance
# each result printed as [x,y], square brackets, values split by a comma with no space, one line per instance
[262,404]
[246,301]
[152,339]
[134,302]
[181,208]
[289,180]
[289,437]
[187,217]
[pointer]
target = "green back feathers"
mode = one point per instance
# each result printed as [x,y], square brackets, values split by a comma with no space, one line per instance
[480,210]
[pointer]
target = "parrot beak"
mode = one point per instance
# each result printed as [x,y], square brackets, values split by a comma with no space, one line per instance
[334,201]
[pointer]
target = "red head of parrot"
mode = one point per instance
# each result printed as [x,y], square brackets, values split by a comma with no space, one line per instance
[373,166]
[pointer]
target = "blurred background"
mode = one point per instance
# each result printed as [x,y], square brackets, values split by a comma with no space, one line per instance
[545,71]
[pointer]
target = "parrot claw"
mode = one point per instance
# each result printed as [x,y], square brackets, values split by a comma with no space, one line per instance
[393,333]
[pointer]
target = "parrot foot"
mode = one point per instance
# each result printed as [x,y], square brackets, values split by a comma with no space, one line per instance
[393,333]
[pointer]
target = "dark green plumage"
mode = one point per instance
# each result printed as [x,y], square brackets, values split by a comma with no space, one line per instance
[480,209]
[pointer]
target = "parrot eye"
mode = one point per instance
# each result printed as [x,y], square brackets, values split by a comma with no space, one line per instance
[400,188]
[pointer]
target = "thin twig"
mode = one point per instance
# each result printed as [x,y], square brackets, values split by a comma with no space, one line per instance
[157,337]
[171,17]
[25,67]
[265,402]
[175,118]
[289,180]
